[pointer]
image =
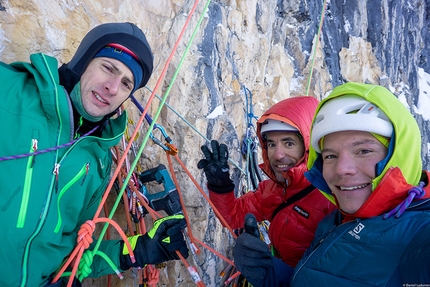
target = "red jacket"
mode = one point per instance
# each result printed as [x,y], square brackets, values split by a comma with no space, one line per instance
[292,229]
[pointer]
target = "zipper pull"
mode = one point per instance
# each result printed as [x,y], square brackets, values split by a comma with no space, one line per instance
[34,149]
[56,172]
[87,169]
[77,135]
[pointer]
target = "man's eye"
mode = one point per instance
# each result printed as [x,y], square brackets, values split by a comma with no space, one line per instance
[270,145]
[328,157]
[108,68]
[127,85]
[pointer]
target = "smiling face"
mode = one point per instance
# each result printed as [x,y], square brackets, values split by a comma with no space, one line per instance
[284,150]
[349,160]
[105,85]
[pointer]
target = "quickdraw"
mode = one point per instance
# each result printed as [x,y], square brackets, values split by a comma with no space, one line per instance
[250,145]
[121,177]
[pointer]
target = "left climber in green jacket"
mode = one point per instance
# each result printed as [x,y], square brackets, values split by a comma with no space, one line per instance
[55,159]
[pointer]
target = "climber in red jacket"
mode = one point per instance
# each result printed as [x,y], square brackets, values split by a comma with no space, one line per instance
[287,199]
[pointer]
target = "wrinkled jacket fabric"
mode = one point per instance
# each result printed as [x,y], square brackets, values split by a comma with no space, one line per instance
[292,229]
[47,197]
[364,248]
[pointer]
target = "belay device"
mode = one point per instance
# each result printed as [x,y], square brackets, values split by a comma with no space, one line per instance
[168,199]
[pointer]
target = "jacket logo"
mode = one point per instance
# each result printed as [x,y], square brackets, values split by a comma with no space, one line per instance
[301,211]
[358,228]
[356,231]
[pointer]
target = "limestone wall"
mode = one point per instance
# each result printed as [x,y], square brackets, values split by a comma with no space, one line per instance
[269,47]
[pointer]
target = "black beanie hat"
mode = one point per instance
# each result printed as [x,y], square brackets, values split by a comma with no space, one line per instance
[125,34]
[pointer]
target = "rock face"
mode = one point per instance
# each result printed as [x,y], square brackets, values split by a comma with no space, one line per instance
[268,47]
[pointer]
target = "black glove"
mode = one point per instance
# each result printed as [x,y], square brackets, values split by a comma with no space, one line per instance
[251,255]
[158,245]
[216,167]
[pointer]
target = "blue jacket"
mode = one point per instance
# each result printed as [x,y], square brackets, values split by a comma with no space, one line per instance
[368,252]
[368,248]
[374,251]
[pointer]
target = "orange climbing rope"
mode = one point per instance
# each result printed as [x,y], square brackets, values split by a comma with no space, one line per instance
[76,254]
[85,234]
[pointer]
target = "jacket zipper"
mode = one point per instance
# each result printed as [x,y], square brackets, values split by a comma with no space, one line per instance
[27,185]
[56,172]
[82,173]
[24,268]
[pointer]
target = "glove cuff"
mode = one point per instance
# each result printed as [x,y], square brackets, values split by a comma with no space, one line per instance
[124,260]
[221,189]
[139,251]
[133,242]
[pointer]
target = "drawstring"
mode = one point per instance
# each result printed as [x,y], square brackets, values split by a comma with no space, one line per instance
[414,192]
[46,150]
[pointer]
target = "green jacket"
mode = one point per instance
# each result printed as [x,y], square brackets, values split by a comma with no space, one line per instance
[40,211]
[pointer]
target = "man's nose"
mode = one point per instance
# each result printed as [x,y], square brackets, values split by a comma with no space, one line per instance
[345,165]
[112,85]
[279,152]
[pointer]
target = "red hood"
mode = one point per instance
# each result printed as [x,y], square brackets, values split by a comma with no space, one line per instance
[298,112]
[391,191]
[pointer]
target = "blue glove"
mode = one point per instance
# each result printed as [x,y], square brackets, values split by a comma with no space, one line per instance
[252,256]
[216,167]
[158,245]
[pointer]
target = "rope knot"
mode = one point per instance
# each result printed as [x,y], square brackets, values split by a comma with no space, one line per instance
[152,275]
[85,234]
[414,192]
[417,191]
[84,268]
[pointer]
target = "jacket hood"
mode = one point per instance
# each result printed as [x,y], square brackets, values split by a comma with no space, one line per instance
[297,112]
[405,147]
[125,34]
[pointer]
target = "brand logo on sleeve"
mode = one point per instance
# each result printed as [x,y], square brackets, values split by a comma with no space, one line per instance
[102,166]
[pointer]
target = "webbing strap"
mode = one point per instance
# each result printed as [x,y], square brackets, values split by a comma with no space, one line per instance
[302,193]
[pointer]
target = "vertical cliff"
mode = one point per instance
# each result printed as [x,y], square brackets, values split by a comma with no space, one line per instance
[269,47]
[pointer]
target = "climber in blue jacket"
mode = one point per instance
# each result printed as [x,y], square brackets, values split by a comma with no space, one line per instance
[365,157]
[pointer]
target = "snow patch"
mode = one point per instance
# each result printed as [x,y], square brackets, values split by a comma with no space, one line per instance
[294,85]
[423,107]
[215,113]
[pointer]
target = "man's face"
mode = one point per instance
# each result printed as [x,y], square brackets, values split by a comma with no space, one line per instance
[349,160]
[284,150]
[105,84]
